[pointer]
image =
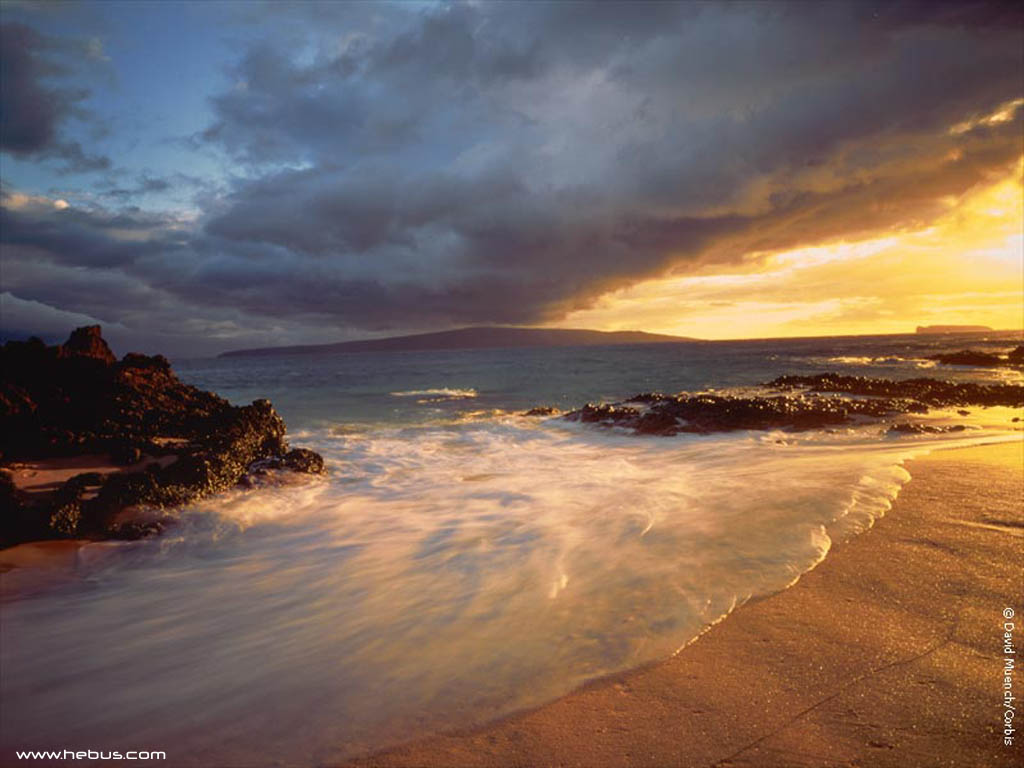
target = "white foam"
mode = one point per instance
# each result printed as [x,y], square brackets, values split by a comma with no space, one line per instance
[441,392]
[441,575]
[860,360]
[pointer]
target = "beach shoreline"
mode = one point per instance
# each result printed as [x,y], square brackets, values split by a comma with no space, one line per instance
[888,653]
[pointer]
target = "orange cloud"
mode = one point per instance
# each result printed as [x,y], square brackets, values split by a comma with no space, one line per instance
[967,266]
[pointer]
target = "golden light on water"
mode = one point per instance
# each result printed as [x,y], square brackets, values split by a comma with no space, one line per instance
[967,267]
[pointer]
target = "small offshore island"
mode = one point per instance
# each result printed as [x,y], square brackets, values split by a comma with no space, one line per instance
[87,441]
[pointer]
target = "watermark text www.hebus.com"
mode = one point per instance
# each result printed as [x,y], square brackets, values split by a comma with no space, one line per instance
[1009,664]
[90,754]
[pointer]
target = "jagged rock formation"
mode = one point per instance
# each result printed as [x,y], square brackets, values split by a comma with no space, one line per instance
[87,341]
[177,442]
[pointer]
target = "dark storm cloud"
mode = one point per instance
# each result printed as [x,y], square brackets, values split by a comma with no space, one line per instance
[553,151]
[32,111]
[511,162]
[960,13]
[29,111]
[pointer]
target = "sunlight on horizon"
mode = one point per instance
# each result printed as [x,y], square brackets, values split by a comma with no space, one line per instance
[967,267]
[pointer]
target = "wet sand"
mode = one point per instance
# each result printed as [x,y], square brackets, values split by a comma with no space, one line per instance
[43,477]
[889,653]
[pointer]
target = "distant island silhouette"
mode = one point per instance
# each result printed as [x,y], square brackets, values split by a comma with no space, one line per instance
[488,337]
[952,328]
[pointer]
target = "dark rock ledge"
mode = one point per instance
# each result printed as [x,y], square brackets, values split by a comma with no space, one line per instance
[1014,359]
[930,392]
[157,443]
[825,400]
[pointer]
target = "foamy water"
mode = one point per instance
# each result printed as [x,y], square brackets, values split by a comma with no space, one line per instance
[440,576]
[442,392]
[458,563]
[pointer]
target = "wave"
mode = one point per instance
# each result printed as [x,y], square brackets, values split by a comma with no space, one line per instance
[967,372]
[440,575]
[861,360]
[441,393]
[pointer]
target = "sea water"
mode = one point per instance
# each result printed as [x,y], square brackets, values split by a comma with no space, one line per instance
[460,561]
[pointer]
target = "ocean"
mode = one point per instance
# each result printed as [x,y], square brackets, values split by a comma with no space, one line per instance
[460,561]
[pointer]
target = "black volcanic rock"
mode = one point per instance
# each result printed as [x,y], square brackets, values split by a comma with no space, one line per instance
[674,414]
[297,460]
[653,413]
[605,413]
[56,403]
[969,357]
[929,392]
[237,440]
[304,460]
[980,359]
[648,397]
[541,410]
[73,400]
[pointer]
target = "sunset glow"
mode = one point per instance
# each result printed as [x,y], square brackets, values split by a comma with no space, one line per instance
[346,171]
[966,268]
[440,383]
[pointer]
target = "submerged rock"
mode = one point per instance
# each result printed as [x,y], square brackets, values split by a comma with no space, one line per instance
[176,442]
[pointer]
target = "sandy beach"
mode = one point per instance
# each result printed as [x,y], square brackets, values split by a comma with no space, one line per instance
[889,653]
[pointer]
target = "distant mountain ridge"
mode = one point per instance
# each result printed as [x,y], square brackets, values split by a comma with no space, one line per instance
[487,337]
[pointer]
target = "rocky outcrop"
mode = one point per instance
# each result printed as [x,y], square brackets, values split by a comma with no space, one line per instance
[87,341]
[817,407]
[55,403]
[541,410]
[59,403]
[655,414]
[929,392]
[297,460]
[981,359]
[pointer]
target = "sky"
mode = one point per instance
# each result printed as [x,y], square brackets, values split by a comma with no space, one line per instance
[198,177]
